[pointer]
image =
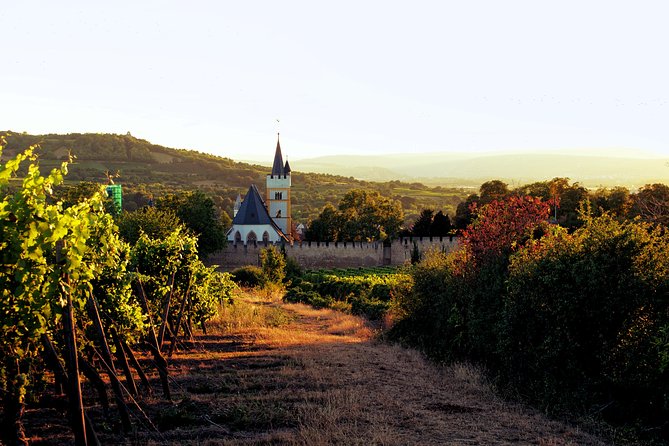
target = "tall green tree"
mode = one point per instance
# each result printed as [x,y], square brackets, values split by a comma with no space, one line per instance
[441,225]
[327,226]
[198,212]
[369,216]
[423,226]
[493,190]
[361,216]
[155,223]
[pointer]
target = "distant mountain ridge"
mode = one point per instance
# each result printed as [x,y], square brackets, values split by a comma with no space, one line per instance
[148,169]
[519,168]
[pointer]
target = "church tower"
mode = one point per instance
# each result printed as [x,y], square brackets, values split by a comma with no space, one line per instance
[278,192]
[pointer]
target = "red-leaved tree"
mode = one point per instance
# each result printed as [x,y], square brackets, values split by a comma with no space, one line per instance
[503,225]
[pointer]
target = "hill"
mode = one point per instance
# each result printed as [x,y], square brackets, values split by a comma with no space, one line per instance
[148,169]
[592,170]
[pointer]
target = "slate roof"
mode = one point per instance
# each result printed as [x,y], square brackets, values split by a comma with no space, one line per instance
[277,167]
[252,210]
[286,168]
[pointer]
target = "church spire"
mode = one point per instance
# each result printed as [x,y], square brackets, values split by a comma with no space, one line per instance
[277,167]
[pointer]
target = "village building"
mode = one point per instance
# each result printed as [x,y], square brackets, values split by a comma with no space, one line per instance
[265,221]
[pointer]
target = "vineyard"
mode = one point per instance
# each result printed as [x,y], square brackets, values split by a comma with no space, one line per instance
[371,292]
[77,300]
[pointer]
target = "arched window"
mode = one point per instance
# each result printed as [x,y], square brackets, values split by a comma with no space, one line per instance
[238,237]
[251,238]
[265,238]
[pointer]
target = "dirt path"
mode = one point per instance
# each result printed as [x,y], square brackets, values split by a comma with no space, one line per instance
[289,374]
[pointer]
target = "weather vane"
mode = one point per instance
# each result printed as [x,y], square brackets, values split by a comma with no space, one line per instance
[277,126]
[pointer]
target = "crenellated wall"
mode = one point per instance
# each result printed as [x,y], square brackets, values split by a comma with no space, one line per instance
[314,255]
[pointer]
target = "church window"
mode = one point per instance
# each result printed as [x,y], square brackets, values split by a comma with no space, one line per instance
[278,195]
[265,238]
[238,237]
[252,237]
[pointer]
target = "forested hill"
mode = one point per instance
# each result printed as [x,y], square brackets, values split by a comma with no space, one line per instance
[147,169]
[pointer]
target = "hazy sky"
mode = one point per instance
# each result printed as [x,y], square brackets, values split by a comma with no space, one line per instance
[343,77]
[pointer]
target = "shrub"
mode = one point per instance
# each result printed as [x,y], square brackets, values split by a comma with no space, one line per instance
[248,276]
[371,309]
[590,309]
[273,264]
[293,269]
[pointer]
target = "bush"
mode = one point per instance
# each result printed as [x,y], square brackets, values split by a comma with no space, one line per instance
[570,321]
[248,276]
[592,309]
[273,264]
[293,269]
[371,309]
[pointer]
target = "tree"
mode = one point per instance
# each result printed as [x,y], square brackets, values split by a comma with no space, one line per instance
[198,212]
[369,216]
[493,190]
[463,214]
[615,201]
[563,198]
[326,227]
[423,226]
[361,216]
[154,222]
[651,203]
[441,225]
[501,225]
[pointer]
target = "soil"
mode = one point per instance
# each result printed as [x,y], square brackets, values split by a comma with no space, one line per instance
[296,375]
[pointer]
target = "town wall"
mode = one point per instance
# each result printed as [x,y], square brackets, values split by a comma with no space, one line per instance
[314,255]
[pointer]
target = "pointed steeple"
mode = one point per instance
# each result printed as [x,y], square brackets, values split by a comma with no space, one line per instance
[286,168]
[277,167]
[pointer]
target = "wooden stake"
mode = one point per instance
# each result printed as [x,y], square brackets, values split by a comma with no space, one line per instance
[161,363]
[133,360]
[176,327]
[106,358]
[118,393]
[94,377]
[166,314]
[120,355]
[76,405]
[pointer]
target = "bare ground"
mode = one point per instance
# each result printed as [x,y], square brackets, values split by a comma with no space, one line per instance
[273,373]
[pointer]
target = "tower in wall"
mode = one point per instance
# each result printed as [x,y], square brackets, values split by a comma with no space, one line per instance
[278,192]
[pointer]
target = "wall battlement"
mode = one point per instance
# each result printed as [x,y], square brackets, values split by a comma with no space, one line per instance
[334,254]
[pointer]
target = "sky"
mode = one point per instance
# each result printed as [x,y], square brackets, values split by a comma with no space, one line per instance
[345,77]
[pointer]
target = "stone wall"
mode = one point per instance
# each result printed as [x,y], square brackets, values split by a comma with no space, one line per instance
[401,248]
[314,255]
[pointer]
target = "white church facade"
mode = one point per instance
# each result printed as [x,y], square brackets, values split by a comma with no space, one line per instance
[265,221]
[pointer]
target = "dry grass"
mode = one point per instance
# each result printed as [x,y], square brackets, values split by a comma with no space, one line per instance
[318,377]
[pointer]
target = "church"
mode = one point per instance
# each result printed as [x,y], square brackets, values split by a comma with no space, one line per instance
[266,221]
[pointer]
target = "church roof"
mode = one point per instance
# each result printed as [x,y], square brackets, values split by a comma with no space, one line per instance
[252,210]
[286,168]
[277,167]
